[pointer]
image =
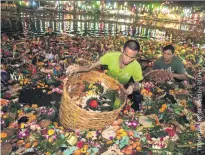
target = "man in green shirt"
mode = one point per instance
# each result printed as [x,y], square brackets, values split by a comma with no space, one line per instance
[123,67]
[170,63]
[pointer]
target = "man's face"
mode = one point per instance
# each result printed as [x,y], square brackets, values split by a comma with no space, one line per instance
[128,56]
[167,55]
[50,30]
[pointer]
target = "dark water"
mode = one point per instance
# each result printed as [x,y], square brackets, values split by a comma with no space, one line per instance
[35,23]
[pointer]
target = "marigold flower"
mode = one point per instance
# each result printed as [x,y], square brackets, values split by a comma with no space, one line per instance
[3,135]
[51,132]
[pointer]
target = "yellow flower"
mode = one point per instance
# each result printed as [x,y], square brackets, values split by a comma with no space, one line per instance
[83,150]
[50,140]
[90,86]
[51,132]
[48,153]
[89,135]
[3,135]
[55,124]
[91,92]
[124,134]
[19,111]
[34,105]
[22,125]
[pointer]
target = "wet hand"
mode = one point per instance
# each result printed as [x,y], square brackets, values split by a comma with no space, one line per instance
[71,70]
[129,90]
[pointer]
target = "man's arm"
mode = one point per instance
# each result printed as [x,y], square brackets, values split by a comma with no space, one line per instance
[180,72]
[179,76]
[89,67]
[79,69]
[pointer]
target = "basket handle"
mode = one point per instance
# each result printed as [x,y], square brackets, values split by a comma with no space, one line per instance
[65,83]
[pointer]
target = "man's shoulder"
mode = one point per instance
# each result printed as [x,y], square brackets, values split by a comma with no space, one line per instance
[112,53]
[160,60]
[177,59]
[136,63]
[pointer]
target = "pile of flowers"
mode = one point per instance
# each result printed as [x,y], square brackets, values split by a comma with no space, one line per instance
[95,96]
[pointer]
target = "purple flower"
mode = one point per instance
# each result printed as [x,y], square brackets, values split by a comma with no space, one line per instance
[23,133]
[43,110]
[51,111]
[111,137]
[2,123]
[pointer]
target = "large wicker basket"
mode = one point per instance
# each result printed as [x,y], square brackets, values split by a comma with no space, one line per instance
[73,117]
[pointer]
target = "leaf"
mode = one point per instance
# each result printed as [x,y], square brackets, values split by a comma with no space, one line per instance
[70,150]
[63,145]
[143,139]
[93,151]
[161,116]
[117,142]
[62,136]
[124,141]
[136,135]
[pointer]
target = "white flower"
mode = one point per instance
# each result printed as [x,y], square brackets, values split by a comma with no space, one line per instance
[87,97]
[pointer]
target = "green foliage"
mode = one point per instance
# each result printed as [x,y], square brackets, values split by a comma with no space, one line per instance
[111,95]
[157,132]
[45,146]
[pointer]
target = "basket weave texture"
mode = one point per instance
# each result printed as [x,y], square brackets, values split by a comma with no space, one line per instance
[73,117]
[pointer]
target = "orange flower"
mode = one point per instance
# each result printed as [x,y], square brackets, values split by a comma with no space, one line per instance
[3,135]
[20,142]
[34,106]
[138,148]
[3,102]
[161,110]
[27,106]
[48,153]
[28,145]
[192,127]
[35,144]
[55,124]
[5,116]
[32,117]
[164,106]
[143,91]
[171,92]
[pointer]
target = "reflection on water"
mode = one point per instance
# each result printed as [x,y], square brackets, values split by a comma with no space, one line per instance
[99,25]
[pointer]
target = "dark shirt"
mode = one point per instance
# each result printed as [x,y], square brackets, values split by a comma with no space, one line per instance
[176,65]
[50,34]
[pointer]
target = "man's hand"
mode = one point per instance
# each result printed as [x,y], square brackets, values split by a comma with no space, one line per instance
[130,89]
[71,70]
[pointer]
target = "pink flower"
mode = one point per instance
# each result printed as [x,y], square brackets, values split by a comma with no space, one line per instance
[170,132]
[80,144]
[51,111]
[43,110]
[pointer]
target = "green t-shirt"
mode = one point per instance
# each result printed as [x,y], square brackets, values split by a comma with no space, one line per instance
[175,66]
[133,69]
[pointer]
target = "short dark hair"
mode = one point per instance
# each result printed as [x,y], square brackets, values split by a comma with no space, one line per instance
[132,44]
[168,47]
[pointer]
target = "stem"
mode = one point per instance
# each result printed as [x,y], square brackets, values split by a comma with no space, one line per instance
[190,145]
